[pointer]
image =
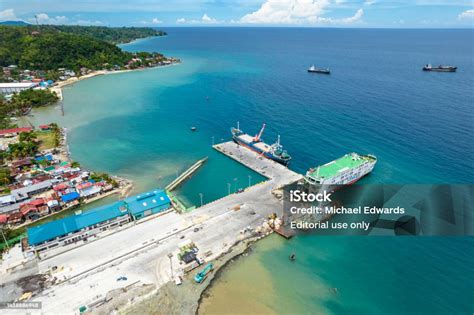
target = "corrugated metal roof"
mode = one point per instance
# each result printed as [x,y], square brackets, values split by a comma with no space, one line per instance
[18,85]
[147,201]
[74,223]
[15,130]
[71,196]
[32,188]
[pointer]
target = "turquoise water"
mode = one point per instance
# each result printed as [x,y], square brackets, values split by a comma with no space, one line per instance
[376,100]
[349,275]
[125,124]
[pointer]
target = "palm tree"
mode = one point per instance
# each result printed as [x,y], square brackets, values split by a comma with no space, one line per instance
[28,136]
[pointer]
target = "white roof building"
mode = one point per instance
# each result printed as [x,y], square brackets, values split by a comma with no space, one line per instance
[10,88]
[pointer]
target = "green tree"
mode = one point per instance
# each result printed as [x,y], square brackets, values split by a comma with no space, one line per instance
[5,177]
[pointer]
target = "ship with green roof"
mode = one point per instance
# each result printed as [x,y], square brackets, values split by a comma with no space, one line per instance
[344,171]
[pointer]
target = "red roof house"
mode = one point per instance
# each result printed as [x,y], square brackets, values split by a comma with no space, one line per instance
[3,218]
[37,202]
[24,210]
[60,187]
[15,130]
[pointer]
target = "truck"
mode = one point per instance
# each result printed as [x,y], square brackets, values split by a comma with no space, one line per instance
[200,276]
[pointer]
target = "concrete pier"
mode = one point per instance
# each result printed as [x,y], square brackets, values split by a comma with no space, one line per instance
[185,175]
[275,172]
[146,251]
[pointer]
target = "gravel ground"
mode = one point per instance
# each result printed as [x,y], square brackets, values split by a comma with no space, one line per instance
[184,299]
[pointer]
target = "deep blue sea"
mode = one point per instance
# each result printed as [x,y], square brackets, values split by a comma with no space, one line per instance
[376,100]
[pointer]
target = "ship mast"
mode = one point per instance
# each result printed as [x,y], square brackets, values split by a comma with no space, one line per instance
[238,125]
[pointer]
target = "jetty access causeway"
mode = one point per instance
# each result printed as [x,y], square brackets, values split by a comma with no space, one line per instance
[140,251]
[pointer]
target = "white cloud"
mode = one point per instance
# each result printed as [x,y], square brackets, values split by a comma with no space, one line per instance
[8,15]
[370,2]
[43,18]
[205,19]
[153,21]
[466,15]
[87,22]
[297,12]
[287,12]
[353,19]
[357,17]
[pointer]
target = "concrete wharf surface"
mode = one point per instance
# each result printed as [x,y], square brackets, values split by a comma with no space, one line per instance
[140,252]
[278,174]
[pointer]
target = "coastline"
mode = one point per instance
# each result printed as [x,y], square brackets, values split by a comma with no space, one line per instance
[125,185]
[188,293]
[145,296]
[57,88]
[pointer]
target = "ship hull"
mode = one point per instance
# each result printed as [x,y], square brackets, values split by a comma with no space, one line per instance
[440,69]
[319,71]
[260,152]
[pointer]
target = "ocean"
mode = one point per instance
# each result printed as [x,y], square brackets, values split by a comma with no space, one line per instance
[376,100]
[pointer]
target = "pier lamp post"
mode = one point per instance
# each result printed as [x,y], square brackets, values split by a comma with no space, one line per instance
[228,188]
[170,255]
[250,178]
[200,195]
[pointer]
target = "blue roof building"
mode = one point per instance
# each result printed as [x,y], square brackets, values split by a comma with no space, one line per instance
[70,196]
[137,207]
[74,223]
[148,203]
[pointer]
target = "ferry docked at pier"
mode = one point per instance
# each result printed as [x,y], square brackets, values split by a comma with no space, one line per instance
[273,152]
[343,171]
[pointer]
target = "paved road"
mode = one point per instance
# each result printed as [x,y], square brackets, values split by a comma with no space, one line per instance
[140,252]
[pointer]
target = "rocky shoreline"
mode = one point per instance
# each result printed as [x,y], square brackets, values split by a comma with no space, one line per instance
[189,294]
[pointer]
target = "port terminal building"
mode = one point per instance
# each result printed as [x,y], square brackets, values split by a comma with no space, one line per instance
[84,225]
[10,88]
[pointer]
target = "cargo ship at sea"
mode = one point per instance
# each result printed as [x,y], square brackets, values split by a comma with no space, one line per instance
[344,171]
[273,152]
[439,68]
[313,69]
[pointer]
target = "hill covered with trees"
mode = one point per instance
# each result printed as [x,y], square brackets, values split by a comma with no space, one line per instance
[51,47]
[113,35]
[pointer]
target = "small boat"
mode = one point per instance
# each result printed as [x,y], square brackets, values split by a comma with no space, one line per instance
[193,128]
[292,257]
[313,69]
[439,68]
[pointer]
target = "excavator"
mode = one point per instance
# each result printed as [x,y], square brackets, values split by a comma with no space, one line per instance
[200,276]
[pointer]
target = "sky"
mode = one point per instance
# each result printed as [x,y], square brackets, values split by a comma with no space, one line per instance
[302,13]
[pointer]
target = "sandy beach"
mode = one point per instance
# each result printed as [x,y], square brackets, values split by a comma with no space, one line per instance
[57,87]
